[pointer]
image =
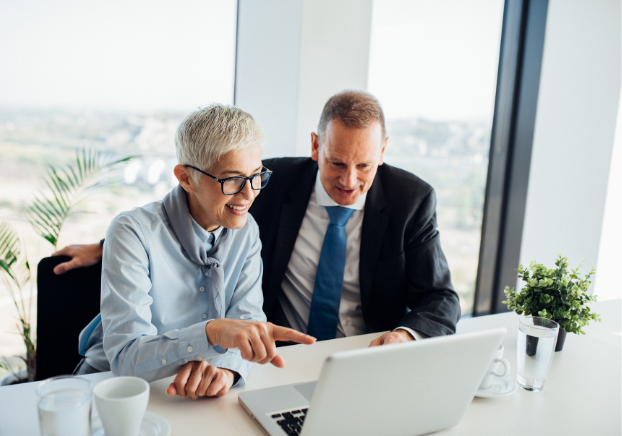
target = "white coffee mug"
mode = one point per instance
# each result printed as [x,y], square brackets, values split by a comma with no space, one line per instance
[121,403]
[492,369]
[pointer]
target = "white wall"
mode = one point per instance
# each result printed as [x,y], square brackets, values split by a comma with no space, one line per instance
[609,283]
[574,132]
[292,56]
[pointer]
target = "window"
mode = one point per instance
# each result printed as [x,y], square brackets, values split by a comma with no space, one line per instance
[433,66]
[115,75]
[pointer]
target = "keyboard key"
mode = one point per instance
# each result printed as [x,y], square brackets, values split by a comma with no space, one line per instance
[304,411]
[287,415]
[295,412]
[276,415]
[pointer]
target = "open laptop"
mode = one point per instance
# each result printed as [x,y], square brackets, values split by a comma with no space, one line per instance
[404,389]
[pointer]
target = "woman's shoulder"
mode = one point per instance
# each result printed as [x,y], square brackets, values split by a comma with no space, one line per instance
[147,216]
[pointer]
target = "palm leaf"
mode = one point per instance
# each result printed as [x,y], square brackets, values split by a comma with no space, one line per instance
[12,260]
[49,209]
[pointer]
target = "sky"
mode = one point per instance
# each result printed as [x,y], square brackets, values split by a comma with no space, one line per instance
[116,54]
[435,59]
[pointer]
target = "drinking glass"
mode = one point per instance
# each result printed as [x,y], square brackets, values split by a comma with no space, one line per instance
[536,345]
[64,405]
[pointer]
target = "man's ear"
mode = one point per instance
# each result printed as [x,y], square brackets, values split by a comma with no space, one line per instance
[183,176]
[384,147]
[315,147]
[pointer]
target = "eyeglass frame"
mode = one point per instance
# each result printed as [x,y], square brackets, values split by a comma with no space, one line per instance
[242,185]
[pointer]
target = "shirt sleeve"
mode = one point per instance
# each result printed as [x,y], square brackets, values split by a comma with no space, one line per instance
[417,336]
[131,342]
[246,303]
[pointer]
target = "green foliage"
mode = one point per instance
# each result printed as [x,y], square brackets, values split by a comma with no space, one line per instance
[47,214]
[14,264]
[554,294]
[48,210]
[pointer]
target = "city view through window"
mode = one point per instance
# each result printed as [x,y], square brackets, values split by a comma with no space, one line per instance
[433,66]
[122,90]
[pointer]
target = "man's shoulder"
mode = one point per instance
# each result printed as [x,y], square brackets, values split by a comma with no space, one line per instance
[287,166]
[398,182]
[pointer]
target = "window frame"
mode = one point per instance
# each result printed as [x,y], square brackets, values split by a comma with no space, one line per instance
[516,100]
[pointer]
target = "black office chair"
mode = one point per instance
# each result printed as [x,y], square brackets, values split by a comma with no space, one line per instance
[66,304]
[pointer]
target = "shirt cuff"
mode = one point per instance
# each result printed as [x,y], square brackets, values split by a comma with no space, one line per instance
[414,333]
[233,361]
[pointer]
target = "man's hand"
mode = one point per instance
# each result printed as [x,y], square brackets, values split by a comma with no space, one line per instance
[255,340]
[81,255]
[394,337]
[200,379]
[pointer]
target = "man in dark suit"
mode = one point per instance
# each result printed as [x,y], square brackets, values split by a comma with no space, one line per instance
[395,276]
[350,245]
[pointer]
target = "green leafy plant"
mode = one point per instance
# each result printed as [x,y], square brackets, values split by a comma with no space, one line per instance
[555,294]
[16,277]
[47,214]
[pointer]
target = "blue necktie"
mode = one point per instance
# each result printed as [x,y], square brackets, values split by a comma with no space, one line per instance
[324,314]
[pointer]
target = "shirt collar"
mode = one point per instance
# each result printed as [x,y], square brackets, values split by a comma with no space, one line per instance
[323,199]
[204,235]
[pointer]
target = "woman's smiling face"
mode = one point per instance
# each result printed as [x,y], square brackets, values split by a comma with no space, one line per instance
[209,207]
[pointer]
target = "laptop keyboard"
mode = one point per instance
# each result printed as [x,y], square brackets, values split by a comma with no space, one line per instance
[291,422]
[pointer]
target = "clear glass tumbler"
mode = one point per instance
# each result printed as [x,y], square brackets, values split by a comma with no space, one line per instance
[64,405]
[535,349]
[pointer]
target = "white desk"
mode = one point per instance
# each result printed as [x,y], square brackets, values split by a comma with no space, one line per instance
[582,395]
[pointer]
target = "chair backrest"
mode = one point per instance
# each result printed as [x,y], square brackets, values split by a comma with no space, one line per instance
[66,304]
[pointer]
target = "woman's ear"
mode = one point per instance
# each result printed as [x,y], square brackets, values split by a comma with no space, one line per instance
[183,176]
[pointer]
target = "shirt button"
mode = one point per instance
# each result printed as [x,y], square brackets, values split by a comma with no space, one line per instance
[347,322]
[163,361]
[204,316]
[190,349]
[201,289]
[199,357]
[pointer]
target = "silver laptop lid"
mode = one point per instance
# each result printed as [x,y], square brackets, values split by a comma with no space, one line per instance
[403,389]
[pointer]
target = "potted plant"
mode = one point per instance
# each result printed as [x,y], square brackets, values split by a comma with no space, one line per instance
[46,213]
[555,294]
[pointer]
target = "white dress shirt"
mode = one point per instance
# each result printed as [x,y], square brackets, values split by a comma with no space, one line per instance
[299,280]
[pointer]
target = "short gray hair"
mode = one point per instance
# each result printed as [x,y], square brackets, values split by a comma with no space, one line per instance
[213,131]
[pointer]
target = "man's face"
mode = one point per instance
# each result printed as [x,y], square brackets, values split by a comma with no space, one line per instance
[348,159]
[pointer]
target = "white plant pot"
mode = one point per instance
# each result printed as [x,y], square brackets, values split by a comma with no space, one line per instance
[10,378]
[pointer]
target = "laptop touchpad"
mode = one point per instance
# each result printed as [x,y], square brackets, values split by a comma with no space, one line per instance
[306,389]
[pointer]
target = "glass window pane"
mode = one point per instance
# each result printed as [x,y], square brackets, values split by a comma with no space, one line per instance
[115,75]
[433,66]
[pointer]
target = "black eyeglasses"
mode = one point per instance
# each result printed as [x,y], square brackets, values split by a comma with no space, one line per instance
[233,185]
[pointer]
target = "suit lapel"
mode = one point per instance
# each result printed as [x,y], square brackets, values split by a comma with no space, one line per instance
[293,211]
[372,234]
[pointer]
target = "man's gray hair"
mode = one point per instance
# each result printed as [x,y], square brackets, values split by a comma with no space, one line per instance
[355,109]
[213,131]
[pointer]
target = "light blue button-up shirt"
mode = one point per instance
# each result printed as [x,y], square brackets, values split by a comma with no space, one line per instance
[154,298]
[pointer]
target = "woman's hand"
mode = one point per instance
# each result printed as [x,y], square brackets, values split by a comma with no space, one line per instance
[254,339]
[200,379]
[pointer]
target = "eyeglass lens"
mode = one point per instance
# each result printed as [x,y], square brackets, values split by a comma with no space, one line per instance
[236,184]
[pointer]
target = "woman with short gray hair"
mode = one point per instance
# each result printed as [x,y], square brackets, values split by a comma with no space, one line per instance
[181,277]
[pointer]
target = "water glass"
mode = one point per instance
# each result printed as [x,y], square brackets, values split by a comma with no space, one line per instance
[64,405]
[536,346]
